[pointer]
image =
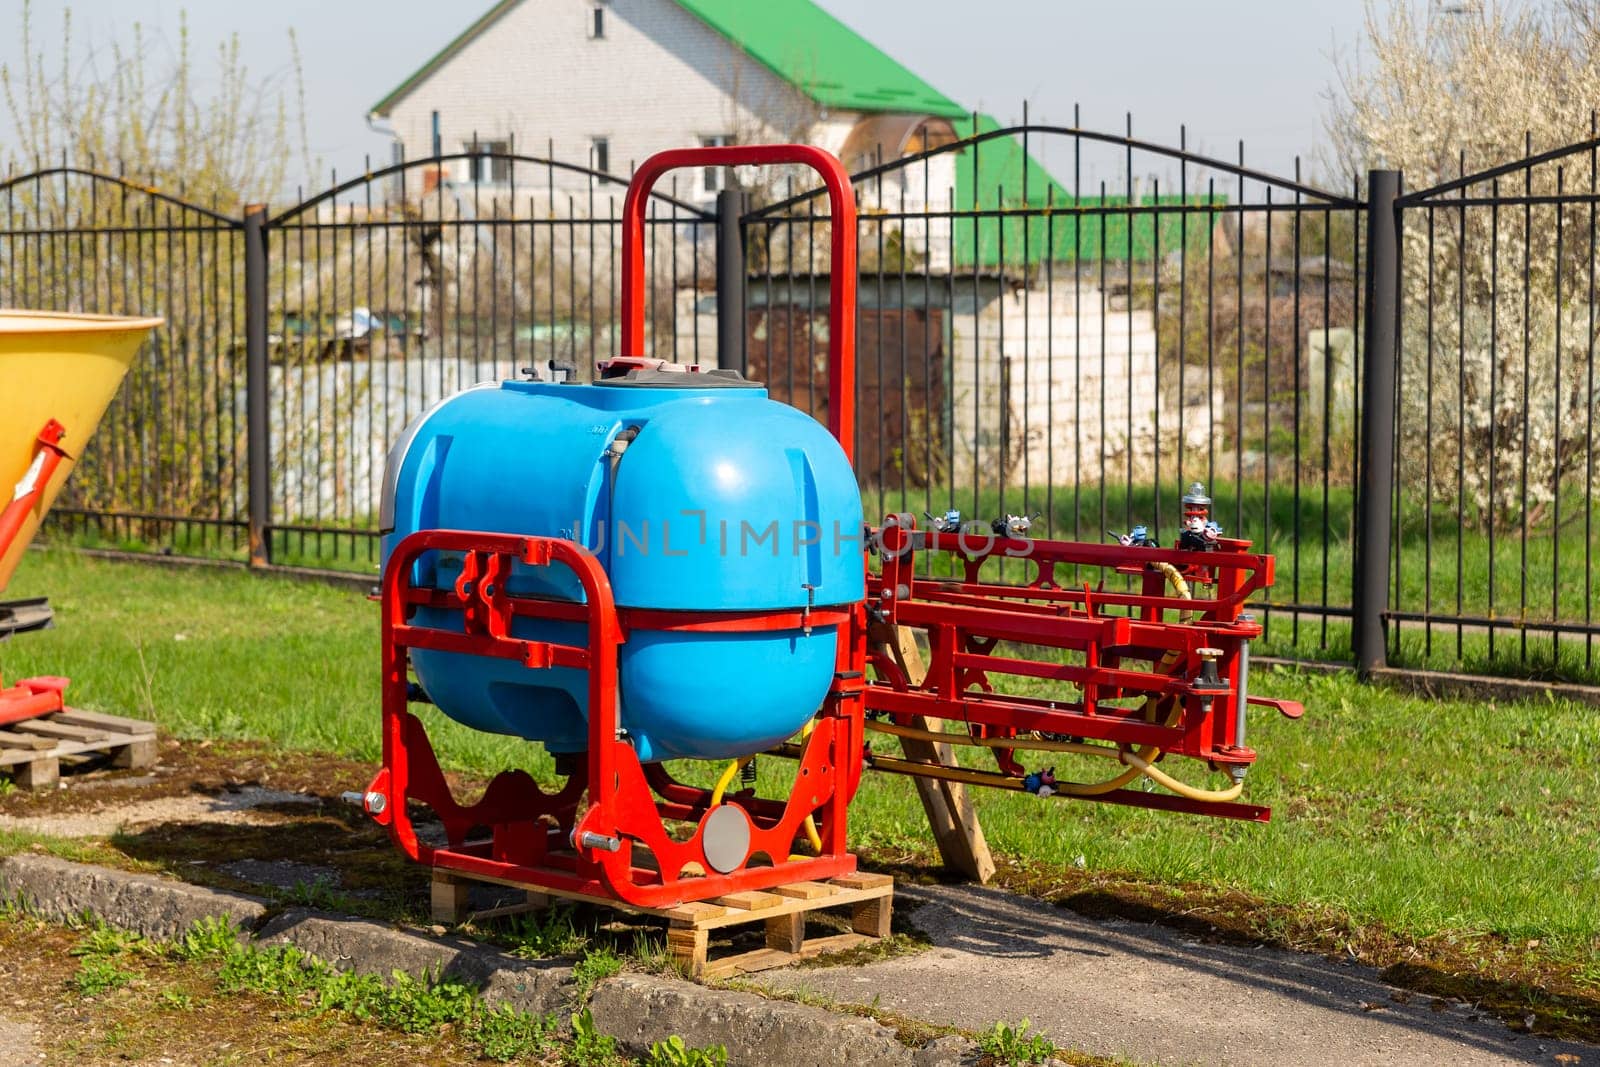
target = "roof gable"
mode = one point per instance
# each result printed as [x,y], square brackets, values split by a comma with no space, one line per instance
[443,56]
[797,40]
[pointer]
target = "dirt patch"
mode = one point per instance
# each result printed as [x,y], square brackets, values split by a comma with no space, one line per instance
[244,805]
[165,1012]
[282,874]
[189,767]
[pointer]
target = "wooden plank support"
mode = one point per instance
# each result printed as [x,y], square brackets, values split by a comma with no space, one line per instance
[135,755]
[64,731]
[952,817]
[113,723]
[30,742]
[448,898]
[787,933]
[782,913]
[42,773]
[688,945]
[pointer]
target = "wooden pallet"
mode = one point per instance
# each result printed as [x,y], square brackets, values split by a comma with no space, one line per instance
[782,909]
[34,749]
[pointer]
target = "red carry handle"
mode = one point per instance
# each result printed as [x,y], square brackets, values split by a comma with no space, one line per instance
[842,270]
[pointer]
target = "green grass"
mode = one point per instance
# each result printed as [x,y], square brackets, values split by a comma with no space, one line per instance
[1428,816]
[1552,584]
[302,984]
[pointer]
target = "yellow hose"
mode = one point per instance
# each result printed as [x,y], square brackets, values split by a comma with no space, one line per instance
[727,779]
[1163,778]
[810,824]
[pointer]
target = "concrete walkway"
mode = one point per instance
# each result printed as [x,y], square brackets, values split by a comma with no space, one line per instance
[18,1043]
[1148,994]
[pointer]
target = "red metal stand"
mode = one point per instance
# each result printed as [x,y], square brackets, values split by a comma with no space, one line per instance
[32,697]
[605,833]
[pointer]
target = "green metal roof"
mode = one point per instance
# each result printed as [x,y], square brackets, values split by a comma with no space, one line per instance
[990,176]
[795,39]
[821,56]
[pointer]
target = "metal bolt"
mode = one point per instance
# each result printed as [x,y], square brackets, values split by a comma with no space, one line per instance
[375,802]
[600,842]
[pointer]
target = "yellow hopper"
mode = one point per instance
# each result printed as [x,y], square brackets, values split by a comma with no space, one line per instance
[58,373]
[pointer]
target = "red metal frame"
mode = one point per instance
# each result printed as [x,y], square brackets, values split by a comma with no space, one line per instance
[544,839]
[541,839]
[32,697]
[841,268]
[1126,645]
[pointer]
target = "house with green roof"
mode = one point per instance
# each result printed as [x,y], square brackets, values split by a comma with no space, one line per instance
[612,81]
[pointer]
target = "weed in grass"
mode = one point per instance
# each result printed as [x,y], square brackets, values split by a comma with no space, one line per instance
[280,971]
[650,953]
[595,967]
[504,1034]
[350,992]
[318,893]
[404,1003]
[97,975]
[541,935]
[674,1053]
[177,1000]
[212,937]
[418,1006]
[1015,1045]
[106,941]
[591,1048]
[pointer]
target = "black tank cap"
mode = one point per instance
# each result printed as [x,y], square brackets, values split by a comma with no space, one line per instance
[676,379]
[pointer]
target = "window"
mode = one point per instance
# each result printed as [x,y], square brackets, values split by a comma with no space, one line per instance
[711,177]
[597,27]
[600,154]
[483,167]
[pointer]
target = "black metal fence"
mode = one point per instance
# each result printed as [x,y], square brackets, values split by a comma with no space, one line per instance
[1494,534]
[1053,322]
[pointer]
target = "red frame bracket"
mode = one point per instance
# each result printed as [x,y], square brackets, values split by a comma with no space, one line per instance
[559,840]
[841,268]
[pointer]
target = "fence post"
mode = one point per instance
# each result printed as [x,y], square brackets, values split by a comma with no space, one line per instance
[258,448]
[731,205]
[1370,596]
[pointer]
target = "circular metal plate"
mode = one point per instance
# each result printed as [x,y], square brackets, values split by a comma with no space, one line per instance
[726,839]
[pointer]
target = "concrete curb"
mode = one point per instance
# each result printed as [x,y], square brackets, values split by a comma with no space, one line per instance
[155,907]
[640,1009]
[636,1009]
[370,947]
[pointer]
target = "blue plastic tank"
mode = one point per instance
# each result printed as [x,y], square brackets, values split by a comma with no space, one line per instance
[697,492]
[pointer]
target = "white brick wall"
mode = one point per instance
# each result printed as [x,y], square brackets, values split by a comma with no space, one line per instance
[1064,371]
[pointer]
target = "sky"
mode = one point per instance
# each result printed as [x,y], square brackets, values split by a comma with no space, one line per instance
[1256,70]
